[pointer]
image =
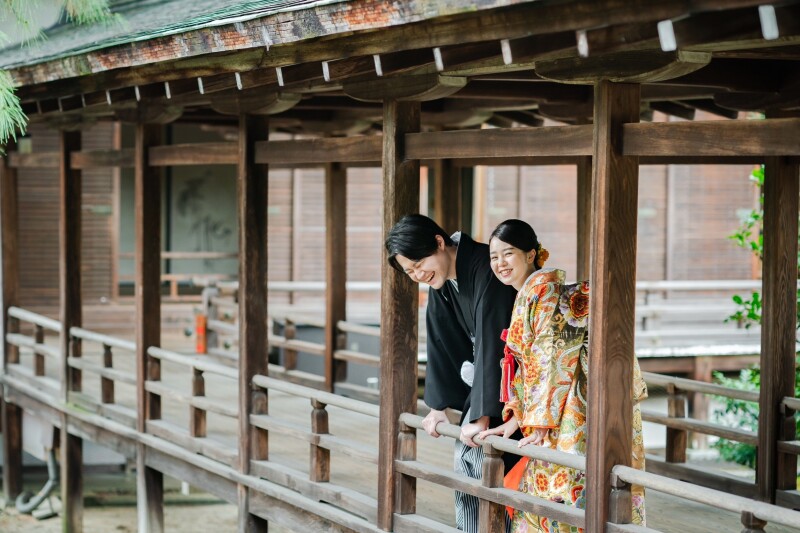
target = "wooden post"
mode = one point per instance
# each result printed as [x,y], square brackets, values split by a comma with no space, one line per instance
[620,509]
[320,468]
[778,321]
[335,269]
[38,359]
[584,218]
[289,354]
[197,417]
[70,304]
[10,414]
[613,277]
[699,403]
[751,523]
[447,194]
[491,516]
[107,384]
[676,438]
[399,301]
[149,482]
[406,501]
[252,191]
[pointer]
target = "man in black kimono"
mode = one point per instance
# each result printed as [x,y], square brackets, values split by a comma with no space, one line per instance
[468,308]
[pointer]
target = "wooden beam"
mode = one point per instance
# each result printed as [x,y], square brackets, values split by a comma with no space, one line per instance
[613,265]
[147,222]
[759,138]
[252,191]
[673,108]
[219,153]
[71,462]
[778,325]
[711,107]
[11,415]
[399,300]
[335,270]
[37,160]
[254,101]
[501,142]
[629,66]
[320,150]
[92,159]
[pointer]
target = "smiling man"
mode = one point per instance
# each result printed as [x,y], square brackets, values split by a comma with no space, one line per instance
[468,308]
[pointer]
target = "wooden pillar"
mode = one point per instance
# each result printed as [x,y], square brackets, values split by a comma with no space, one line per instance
[613,284]
[447,194]
[149,482]
[399,301]
[69,226]
[252,192]
[335,269]
[10,414]
[778,323]
[584,218]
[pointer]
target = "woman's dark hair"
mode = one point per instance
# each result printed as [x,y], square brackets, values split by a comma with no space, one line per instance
[519,234]
[414,237]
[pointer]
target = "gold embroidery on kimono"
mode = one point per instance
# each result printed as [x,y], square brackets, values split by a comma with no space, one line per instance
[549,339]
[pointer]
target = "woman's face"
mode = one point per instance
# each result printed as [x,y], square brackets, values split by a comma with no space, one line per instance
[511,265]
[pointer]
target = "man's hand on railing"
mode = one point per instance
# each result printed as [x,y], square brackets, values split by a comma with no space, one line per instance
[432,419]
[471,429]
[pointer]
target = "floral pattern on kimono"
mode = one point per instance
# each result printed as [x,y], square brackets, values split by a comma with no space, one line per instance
[549,339]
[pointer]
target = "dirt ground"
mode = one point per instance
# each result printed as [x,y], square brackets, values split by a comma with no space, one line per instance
[110,507]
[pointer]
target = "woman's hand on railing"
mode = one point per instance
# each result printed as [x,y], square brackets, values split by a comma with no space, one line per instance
[535,438]
[504,430]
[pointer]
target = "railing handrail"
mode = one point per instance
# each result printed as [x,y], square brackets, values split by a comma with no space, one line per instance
[35,318]
[327,398]
[792,403]
[711,497]
[506,445]
[193,362]
[99,338]
[700,386]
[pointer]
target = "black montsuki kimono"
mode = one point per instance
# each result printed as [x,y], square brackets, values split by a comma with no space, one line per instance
[480,308]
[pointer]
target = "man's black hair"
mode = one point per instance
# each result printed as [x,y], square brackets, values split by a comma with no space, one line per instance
[414,237]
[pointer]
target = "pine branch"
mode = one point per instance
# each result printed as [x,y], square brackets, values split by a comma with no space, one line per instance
[12,119]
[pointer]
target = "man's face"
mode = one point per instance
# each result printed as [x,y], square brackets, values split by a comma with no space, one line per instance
[433,270]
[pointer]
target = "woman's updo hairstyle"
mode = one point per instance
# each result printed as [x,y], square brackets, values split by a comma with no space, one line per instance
[520,234]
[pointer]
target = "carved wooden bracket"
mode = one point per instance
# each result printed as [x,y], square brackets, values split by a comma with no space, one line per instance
[405,88]
[255,102]
[637,66]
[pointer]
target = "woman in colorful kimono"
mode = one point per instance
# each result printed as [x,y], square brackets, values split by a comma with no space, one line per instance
[546,395]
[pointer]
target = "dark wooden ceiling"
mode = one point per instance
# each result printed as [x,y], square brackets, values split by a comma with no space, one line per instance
[716,56]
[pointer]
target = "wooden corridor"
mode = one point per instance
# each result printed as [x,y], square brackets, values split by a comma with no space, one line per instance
[352,475]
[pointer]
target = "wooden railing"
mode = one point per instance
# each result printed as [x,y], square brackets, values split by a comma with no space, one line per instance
[349,506]
[680,427]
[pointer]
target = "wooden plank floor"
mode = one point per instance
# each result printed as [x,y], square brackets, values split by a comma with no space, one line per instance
[665,513]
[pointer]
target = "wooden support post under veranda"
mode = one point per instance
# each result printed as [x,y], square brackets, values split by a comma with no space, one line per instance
[71,316]
[335,270]
[776,470]
[399,301]
[147,192]
[611,355]
[10,414]
[252,201]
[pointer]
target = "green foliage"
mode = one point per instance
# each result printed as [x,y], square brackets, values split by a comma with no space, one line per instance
[738,413]
[12,119]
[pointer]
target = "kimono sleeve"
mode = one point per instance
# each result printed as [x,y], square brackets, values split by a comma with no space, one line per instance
[448,347]
[492,316]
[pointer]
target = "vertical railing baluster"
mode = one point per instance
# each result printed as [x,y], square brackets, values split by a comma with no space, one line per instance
[751,523]
[12,350]
[620,504]
[491,516]
[289,355]
[406,485]
[107,384]
[677,439]
[197,417]
[320,457]
[38,358]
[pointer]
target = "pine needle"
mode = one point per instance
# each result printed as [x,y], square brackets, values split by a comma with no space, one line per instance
[12,119]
